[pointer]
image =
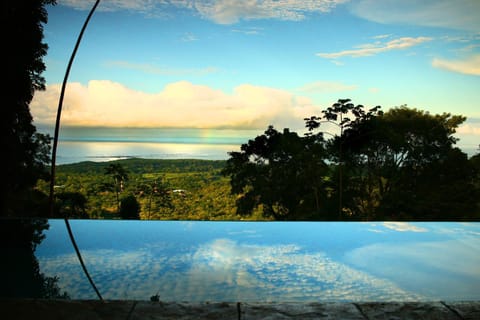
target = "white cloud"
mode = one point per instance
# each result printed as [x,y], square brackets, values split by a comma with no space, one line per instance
[469,129]
[249,31]
[416,266]
[179,104]
[470,65]
[143,6]
[188,37]
[231,11]
[381,36]
[221,270]
[403,226]
[459,14]
[220,11]
[370,49]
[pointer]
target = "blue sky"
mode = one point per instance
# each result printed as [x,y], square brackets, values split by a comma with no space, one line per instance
[248,64]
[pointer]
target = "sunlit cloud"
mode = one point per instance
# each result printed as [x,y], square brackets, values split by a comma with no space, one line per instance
[221,11]
[461,14]
[179,104]
[469,129]
[470,65]
[403,227]
[371,49]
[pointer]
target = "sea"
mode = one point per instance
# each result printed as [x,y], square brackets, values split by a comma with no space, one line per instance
[77,144]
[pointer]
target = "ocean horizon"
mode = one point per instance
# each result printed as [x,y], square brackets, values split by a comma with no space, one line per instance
[77,144]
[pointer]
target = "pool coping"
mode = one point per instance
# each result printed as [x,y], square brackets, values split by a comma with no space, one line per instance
[20,309]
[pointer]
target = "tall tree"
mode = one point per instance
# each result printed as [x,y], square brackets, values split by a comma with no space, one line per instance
[25,151]
[156,193]
[277,172]
[352,121]
[393,155]
[119,175]
[430,178]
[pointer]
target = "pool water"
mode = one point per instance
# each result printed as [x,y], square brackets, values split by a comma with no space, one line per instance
[266,261]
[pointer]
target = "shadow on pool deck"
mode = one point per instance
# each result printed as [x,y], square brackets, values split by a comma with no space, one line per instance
[135,310]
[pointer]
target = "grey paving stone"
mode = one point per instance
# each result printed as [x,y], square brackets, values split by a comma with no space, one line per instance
[407,310]
[64,309]
[468,310]
[139,310]
[267,311]
[184,311]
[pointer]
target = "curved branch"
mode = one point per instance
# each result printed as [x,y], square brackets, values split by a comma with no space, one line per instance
[54,150]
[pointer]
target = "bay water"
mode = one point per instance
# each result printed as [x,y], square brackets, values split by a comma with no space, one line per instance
[78,144]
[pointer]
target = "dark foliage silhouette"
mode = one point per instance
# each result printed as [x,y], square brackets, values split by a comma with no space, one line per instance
[397,165]
[22,277]
[25,151]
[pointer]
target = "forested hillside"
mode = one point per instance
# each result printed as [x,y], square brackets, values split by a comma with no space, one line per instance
[398,165]
[164,189]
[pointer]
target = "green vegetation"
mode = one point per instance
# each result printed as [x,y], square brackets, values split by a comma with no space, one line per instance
[164,189]
[398,165]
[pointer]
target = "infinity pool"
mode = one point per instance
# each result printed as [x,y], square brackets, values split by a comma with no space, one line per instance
[266,261]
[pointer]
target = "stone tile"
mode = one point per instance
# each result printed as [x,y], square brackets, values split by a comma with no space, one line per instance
[64,309]
[139,310]
[304,311]
[468,310]
[182,311]
[407,310]
[113,309]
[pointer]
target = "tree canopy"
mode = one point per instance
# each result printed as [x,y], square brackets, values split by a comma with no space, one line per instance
[396,165]
[25,151]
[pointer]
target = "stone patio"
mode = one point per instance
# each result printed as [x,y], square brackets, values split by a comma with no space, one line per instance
[136,310]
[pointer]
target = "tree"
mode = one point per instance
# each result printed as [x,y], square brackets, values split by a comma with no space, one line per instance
[399,165]
[129,208]
[25,151]
[392,157]
[156,193]
[278,172]
[71,205]
[352,120]
[475,163]
[119,176]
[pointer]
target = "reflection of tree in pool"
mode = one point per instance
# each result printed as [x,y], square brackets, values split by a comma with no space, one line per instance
[19,268]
